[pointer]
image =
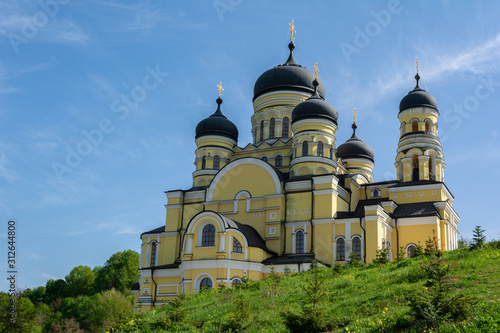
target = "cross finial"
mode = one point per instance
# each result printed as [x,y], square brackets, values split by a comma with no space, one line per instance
[316,70]
[354,114]
[292,31]
[220,89]
[417,65]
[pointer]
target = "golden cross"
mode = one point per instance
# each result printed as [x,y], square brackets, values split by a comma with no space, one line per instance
[354,114]
[316,70]
[220,89]
[417,65]
[292,30]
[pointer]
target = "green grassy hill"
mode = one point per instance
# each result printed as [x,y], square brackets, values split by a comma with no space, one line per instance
[348,298]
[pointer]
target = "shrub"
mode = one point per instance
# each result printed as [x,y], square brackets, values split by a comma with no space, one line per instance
[382,255]
[435,304]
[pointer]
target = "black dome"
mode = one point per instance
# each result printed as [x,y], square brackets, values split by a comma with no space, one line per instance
[417,98]
[289,76]
[355,148]
[217,124]
[315,107]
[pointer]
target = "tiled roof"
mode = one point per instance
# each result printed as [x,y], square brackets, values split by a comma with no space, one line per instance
[155,231]
[415,209]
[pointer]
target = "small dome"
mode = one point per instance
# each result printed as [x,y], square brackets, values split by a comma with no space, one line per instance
[418,98]
[217,124]
[315,107]
[289,76]
[355,148]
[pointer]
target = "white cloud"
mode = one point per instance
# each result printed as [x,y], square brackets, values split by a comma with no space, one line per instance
[480,58]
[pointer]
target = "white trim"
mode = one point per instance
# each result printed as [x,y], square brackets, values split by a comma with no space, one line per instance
[268,98]
[329,191]
[317,121]
[198,280]
[407,221]
[342,192]
[174,194]
[243,161]
[176,206]
[214,137]
[325,179]
[297,224]
[322,221]
[202,172]
[315,159]
[195,194]
[439,186]
[298,185]
[359,160]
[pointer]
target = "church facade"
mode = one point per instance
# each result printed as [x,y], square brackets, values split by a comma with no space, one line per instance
[292,195]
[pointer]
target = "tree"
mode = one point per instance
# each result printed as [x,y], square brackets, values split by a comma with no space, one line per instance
[382,254]
[55,289]
[120,272]
[21,319]
[36,295]
[478,238]
[80,281]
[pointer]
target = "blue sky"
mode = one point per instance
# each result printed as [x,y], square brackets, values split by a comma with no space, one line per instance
[134,78]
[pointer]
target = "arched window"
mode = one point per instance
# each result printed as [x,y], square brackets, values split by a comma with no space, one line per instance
[428,125]
[340,249]
[264,159]
[415,167]
[356,248]
[299,242]
[235,282]
[414,125]
[271,128]
[205,284]
[152,261]
[375,193]
[203,163]
[208,235]
[403,128]
[237,246]
[279,161]
[216,162]
[284,130]
[431,170]
[262,130]
[305,148]
[410,251]
[320,149]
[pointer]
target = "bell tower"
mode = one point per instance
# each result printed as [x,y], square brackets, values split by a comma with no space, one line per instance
[419,154]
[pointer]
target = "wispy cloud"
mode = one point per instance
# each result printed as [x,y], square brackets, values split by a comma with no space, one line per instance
[6,171]
[65,31]
[145,18]
[16,16]
[479,58]
[49,276]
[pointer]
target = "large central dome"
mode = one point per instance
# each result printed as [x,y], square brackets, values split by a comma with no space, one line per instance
[289,76]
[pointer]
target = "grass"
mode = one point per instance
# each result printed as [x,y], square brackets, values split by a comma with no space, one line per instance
[367,298]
